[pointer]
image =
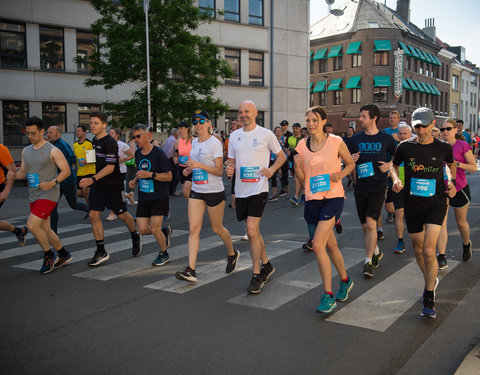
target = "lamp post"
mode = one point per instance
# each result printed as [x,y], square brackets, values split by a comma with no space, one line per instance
[146,6]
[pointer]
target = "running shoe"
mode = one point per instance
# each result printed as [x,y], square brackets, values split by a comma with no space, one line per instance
[187,275]
[390,217]
[376,259]
[367,270]
[63,260]
[293,201]
[467,251]
[267,271]
[308,246]
[442,261]
[48,264]
[256,284]
[232,262]
[98,258]
[380,235]
[161,259]
[428,309]
[338,227]
[435,288]
[167,232]
[136,244]
[166,217]
[282,193]
[22,237]
[345,288]
[273,198]
[111,217]
[400,248]
[327,304]
[245,237]
[302,198]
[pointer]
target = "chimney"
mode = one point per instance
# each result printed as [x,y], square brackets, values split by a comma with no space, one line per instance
[403,9]
[430,28]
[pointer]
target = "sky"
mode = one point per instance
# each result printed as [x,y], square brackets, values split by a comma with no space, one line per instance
[456,21]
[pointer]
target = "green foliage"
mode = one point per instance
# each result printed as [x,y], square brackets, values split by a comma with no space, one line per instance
[185,69]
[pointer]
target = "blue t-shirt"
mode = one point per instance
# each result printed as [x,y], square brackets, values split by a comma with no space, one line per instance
[71,160]
[468,137]
[156,161]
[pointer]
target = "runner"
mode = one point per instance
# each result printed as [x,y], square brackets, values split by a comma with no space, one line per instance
[346,138]
[181,154]
[424,194]
[371,150]
[283,169]
[40,161]
[318,165]
[154,173]
[106,189]
[6,184]
[208,192]
[84,169]
[292,144]
[248,155]
[132,171]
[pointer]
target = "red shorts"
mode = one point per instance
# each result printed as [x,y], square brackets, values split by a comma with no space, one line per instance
[42,208]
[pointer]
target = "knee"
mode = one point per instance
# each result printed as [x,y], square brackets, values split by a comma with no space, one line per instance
[217,229]
[252,231]
[143,230]
[195,229]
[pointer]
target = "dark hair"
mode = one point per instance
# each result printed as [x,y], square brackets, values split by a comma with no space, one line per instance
[373,111]
[140,127]
[296,125]
[305,128]
[460,121]
[318,111]
[117,131]
[351,127]
[34,120]
[83,127]
[277,127]
[100,115]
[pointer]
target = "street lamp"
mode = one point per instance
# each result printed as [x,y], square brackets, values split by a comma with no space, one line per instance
[146,6]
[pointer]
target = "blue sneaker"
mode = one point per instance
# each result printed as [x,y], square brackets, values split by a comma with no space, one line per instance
[63,260]
[327,304]
[162,258]
[48,264]
[345,288]
[302,198]
[400,248]
[428,309]
[293,201]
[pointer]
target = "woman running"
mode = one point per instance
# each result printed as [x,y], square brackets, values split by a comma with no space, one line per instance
[183,146]
[208,192]
[318,165]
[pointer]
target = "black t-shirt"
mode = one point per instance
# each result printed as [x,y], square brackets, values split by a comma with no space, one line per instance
[424,186]
[347,140]
[156,161]
[287,134]
[106,153]
[373,148]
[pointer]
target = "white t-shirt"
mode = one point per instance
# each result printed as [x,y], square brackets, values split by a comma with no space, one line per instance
[206,152]
[251,151]
[122,148]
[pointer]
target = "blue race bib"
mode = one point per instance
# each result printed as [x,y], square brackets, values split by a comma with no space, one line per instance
[200,176]
[365,170]
[182,160]
[33,180]
[250,174]
[422,187]
[146,186]
[320,183]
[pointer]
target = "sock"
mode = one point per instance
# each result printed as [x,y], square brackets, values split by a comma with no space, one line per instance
[311,230]
[346,280]
[101,246]
[134,234]
[400,240]
[62,252]
[328,293]
[17,231]
[49,253]
[379,229]
[376,251]
[428,294]
[368,260]
[266,264]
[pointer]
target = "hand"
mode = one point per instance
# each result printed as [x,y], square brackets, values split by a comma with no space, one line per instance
[9,175]
[297,159]
[229,169]
[384,166]
[451,190]
[397,186]
[132,183]
[356,156]
[144,174]
[267,172]
[335,177]
[193,164]
[187,171]
[4,195]
[46,185]
[85,182]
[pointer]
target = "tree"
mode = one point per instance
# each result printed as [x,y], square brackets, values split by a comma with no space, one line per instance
[185,69]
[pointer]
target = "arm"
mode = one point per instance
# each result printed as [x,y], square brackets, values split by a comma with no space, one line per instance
[298,166]
[162,177]
[217,170]
[175,151]
[10,179]
[281,158]
[22,172]
[349,164]
[128,156]
[57,157]
[397,183]
[470,165]
[230,168]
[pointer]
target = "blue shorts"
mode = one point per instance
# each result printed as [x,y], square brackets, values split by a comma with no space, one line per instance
[323,210]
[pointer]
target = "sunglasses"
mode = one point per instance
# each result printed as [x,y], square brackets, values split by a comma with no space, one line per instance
[447,129]
[139,135]
[418,126]
[201,121]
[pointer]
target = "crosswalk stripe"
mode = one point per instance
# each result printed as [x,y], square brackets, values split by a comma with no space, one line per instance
[23,219]
[216,270]
[126,267]
[291,285]
[382,305]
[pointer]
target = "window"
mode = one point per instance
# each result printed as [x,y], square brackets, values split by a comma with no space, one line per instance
[255,12]
[232,57]
[312,66]
[15,113]
[407,97]
[322,99]
[255,66]
[409,63]
[232,10]
[322,66]
[230,116]
[84,111]
[473,80]
[54,114]
[261,119]
[380,94]
[356,96]
[51,49]
[356,60]
[85,49]
[12,45]
[338,63]
[207,7]
[421,68]
[454,110]
[373,25]
[380,58]
[337,97]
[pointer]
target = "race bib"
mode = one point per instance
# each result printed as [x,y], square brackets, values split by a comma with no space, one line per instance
[82,161]
[250,174]
[422,187]
[365,170]
[182,160]
[33,180]
[90,155]
[200,177]
[319,183]
[146,186]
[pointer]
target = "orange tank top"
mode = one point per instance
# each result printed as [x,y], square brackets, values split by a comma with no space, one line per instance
[184,148]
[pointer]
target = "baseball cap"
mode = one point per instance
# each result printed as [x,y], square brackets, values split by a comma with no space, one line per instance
[328,124]
[284,122]
[422,116]
[297,125]
[201,114]
[183,124]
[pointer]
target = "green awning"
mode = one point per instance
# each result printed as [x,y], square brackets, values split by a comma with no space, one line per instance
[412,84]
[335,51]
[435,90]
[311,54]
[429,57]
[405,84]
[421,54]
[381,81]
[426,88]
[382,45]
[354,83]
[335,84]
[437,61]
[320,54]
[420,87]
[425,57]
[413,52]
[320,86]
[311,85]
[432,88]
[405,48]
[354,48]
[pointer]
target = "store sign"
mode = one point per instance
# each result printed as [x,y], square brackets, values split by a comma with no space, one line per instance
[398,74]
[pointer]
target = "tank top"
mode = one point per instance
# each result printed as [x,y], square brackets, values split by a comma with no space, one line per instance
[40,168]
[184,148]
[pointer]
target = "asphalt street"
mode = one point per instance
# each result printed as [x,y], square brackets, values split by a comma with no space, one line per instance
[128,317]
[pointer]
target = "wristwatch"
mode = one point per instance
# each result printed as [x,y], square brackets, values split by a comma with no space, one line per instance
[153,175]
[93,179]
[56,181]
[453,182]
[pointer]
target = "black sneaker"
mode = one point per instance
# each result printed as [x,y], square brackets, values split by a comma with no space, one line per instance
[256,284]
[339,227]
[167,232]
[380,235]
[428,309]
[282,193]
[136,244]
[273,198]
[98,258]
[63,260]
[187,275]
[390,217]
[467,251]
[442,261]
[48,264]
[308,246]
[232,262]
[376,259]
[267,271]
[22,237]
[367,270]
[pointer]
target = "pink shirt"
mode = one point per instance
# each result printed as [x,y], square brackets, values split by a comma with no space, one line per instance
[318,166]
[460,148]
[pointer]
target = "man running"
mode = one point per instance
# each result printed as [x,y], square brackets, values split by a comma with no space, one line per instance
[249,155]
[292,144]
[425,198]
[40,161]
[106,187]
[85,169]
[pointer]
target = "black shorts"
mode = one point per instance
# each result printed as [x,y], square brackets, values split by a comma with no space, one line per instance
[250,206]
[398,200]
[182,177]
[417,217]
[461,198]
[211,199]
[322,210]
[79,178]
[2,187]
[369,203]
[113,200]
[389,197]
[159,207]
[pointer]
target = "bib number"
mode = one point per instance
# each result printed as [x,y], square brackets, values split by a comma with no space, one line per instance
[33,180]
[250,174]
[421,187]
[365,170]
[319,183]
[182,160]
[146,186]
[200,177]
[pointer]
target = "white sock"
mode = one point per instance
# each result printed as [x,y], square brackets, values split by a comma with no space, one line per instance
[376,251]
[368,260]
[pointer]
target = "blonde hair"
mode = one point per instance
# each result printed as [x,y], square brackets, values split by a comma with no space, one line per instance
[210,129]
[451,121]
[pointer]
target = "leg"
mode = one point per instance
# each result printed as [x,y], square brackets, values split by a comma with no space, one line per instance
[336,256]
[443,237]
[370,232]
[462,223]
[187,186]
[156,229]
[196,210]
[71,197]
[324,228]
[430,261]
[128,220]
[6,226]
[257,245]
[215,215]
[53,239]
[97,225]
[399,224]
